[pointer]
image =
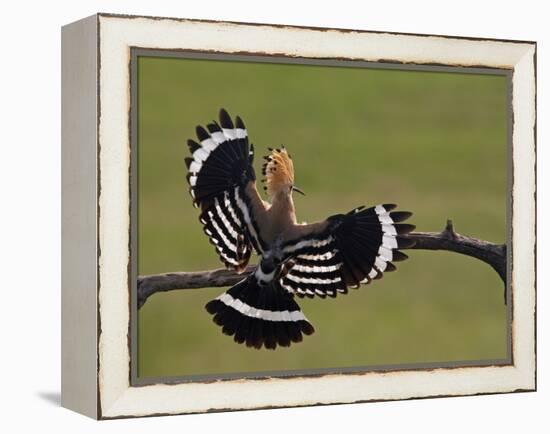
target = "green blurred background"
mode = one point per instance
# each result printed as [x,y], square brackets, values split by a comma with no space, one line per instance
[433,142]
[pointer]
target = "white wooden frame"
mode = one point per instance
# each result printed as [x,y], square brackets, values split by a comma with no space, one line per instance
[96,215]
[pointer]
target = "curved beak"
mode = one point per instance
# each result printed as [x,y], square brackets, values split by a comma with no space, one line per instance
[298,190]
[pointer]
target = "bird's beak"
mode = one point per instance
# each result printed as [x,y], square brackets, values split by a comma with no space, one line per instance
[298,190]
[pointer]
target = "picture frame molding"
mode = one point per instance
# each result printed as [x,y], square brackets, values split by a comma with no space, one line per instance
[97,263]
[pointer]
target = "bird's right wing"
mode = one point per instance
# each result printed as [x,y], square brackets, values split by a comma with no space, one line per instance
[344,251]
[222,183]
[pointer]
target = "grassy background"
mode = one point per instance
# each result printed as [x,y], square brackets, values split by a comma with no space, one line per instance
[434,143]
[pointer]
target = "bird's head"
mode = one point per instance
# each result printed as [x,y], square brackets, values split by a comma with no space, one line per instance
[279,173]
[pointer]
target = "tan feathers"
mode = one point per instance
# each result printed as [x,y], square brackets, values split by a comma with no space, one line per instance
[278,171]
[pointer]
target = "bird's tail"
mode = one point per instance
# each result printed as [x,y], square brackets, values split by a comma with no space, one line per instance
[259,315]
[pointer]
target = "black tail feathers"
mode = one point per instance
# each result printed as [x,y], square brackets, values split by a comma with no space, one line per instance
[259,315]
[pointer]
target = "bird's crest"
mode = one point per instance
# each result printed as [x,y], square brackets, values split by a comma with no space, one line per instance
[278,171]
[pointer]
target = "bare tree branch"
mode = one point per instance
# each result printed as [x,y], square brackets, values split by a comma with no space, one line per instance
[448,240]
[149,285]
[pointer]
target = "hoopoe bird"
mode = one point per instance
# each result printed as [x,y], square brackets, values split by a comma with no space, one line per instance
[319,259]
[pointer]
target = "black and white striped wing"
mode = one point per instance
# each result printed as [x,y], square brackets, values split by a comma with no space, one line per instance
[352,249]
[221,182]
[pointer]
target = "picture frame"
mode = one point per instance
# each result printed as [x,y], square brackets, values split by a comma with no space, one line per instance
[99,273]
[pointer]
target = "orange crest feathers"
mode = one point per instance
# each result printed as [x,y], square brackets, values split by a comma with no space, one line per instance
[278,171]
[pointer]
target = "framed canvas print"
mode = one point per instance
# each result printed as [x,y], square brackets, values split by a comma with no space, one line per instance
[261,216]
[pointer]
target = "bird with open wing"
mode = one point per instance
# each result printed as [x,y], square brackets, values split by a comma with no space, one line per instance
[295,259]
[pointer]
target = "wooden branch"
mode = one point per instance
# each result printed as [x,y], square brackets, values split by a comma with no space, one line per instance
[149,285]
[448,240]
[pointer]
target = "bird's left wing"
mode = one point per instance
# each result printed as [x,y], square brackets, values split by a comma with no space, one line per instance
[222,183]
[344,251]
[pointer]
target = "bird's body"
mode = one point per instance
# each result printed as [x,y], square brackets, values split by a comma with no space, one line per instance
[323,258]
